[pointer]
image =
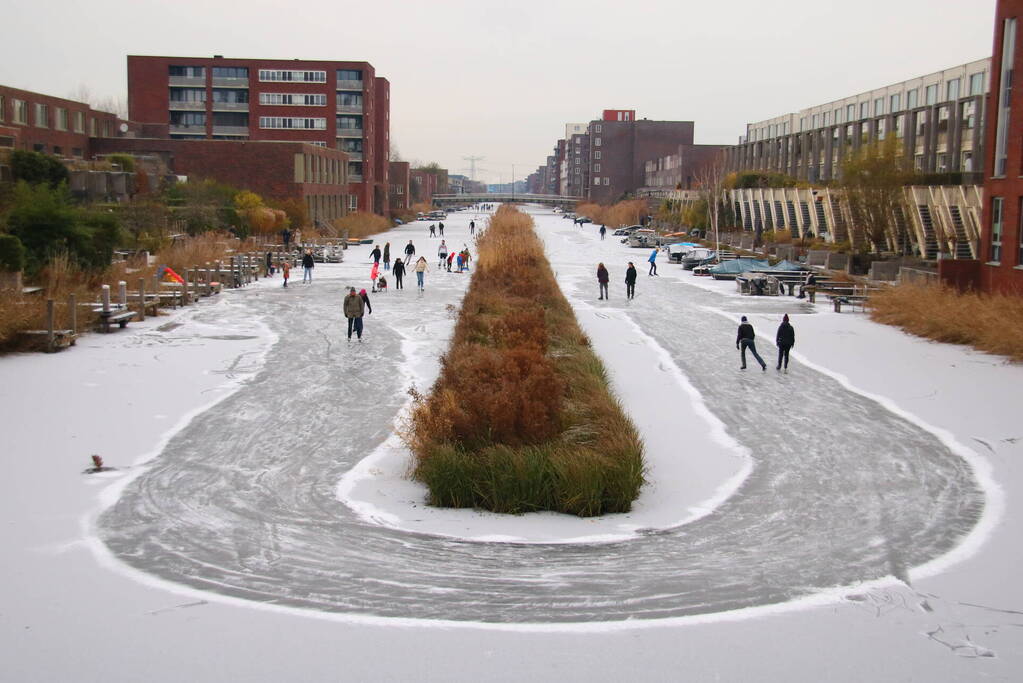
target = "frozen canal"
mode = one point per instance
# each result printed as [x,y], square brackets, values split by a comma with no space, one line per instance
[242,501]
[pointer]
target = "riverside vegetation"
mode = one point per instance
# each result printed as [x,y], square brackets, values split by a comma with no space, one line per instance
[521,417]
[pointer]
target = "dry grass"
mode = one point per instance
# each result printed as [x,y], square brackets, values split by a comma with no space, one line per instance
[521,417]
[988,322]
[362,224]
[622,213]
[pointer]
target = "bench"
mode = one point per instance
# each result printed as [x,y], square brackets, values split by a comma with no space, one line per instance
[839,300]
[40,339]
[108,318]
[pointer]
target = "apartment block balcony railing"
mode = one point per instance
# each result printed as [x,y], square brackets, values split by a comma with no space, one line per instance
[349,85]
[230,106]
[187,106]
[221,82]
[354,156]
[349,132]
[230,130]
[188,130]
[354,178]
[188,81]
[349,109]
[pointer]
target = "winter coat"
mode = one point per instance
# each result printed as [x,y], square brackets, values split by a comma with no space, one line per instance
[653,256]
[354,306]
[365,300]
[409,249]
[307,261]
[421,267]
[786,335]
[630,275]
[442,251]
[375,253]
[745,332]
[286,269]
[387,252]
[399,268]
[602,276]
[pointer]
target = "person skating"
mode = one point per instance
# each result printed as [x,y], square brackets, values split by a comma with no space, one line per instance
[269,264]
[307,266]
[653,262]
[451,259]
[375,254]
[603,231]
[442,254]
[472,227]
[440,227]
[365,300]
[433,230]
[354,308]
[602,280]
[630,281]
[410,249]
[421,267]
[465,259]
[286,271]
[387,256]
[399,272]
[785,340]
[744,340]
[809,287]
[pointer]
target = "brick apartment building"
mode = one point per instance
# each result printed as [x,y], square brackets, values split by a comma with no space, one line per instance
[1001,249]
[278,170]
[339,105]
[423,184]
[620,146]
[52,125]
[400,186]
[681,170]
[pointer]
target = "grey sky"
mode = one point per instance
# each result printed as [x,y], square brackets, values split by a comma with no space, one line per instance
[500,79]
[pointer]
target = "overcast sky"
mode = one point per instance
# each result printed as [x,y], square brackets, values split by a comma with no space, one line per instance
[500,79]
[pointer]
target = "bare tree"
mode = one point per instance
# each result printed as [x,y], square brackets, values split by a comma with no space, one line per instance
[710,179]
[874,178]
[117,105]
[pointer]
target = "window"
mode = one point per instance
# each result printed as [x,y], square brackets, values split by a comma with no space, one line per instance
[279,75]
[911,98]
[850,113]
[896,103]
[596,155]
[952,90]
[349,75]
[977,84]
[1004,94]
[316,143]
[79,122]
[351,145]
[864,110]
[900,127]
[824,118]
[294,123]
[598,128]
[106,129]
[996,229]
[294,99]
[188,94]
[230,96]
[596,142]
[815,121]
[596,168]
[76,152]
[931,94]
[943,119]
[42,119]
[607,181]
[879,128]
[349,99]
[353,202]
[58,150]
[967,163]
[231,72]
[188,71]
[92,127]
[349,122]
[879,106]
[838,116]
[230,118]
[969,114]
[919,123]
[188,119]
[941,163]
[62,119]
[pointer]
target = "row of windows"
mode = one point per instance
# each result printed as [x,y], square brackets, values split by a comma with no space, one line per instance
[997,231]
[295,123]
[307,100]
[596,180]
[278,75]
[349,122]
[63,120]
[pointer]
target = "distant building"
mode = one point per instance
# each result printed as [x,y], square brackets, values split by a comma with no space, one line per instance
[937,117]
[576,169]
[681,170]
[620,146]
[1000,265]
[423,184]
[400,186]
[338,105]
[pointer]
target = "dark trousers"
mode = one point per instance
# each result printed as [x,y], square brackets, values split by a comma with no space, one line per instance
[355,324]
[397,281]
[653,268]
[751,345]
[603,290]
[783,355]
[630,290]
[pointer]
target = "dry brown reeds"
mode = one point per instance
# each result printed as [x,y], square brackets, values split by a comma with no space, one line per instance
[988,322]
[626,212]
[521,417]
[362,224]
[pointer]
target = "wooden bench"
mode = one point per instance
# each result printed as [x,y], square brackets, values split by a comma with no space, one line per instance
[852,301]
[108,318]
[40,339]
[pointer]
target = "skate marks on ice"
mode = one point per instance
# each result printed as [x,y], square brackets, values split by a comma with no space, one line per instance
[242,501]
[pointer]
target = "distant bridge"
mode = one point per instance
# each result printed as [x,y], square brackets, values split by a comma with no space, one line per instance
[500,197]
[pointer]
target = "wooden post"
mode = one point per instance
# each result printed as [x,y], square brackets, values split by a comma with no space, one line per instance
[142,298]
[72,305]
[195,284]
[184,287]
[122,294]
[104,293]
[50,338]
[220,276]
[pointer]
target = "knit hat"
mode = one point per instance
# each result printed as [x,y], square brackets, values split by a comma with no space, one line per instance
[785,317]
[362,291]
[743,318]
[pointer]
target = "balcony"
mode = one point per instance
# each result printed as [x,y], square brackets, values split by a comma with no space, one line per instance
[349,109]
[222,82]
[187,81]
[187,106]
[349,85]
[354,178]
[353,156]
[230,130]
[349,132]
[188,130]
[230,106]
